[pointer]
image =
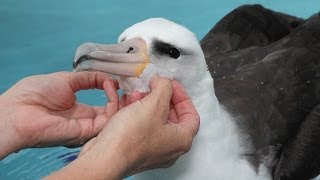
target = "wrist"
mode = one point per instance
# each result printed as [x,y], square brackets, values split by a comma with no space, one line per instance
[8,136]
[102,161]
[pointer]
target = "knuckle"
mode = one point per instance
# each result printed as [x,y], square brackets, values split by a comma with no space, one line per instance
[186,144]
[168,164]
[197,124]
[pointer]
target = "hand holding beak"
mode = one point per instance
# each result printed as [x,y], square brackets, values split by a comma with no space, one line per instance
[149,133]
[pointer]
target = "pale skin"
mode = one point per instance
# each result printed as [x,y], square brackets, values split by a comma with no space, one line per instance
[137,133]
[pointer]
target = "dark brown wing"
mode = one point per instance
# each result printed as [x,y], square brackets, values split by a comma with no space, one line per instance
[266,70]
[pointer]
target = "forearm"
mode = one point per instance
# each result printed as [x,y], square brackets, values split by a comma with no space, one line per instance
[96,163]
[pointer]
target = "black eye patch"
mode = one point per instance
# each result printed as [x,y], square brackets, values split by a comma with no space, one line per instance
[166,49]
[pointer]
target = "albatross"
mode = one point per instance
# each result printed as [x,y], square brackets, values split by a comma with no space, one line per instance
[241,135]
[159,46]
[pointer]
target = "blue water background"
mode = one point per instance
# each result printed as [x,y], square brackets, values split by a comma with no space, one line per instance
[40,36]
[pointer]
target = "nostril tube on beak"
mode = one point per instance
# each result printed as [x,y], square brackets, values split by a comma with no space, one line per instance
[80,60]
[130,49]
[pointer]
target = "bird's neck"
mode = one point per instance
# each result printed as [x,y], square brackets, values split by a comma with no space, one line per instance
[204,99]
[217,143]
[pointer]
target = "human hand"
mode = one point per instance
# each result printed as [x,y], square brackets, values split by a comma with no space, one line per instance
[166,124]
[42,111]
[147,134]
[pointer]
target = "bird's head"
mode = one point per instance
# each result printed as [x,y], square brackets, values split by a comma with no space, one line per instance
[154,46]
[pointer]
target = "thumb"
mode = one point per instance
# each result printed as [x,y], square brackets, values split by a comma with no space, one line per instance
[161,89]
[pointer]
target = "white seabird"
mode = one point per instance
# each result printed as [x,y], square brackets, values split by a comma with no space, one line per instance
[159,46]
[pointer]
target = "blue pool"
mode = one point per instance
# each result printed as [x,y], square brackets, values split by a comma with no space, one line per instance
[39,37]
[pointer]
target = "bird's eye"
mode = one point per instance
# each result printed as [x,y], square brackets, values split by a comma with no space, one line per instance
[166,49]
[174,53]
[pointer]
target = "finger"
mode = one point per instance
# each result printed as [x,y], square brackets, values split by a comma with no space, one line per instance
[127,99]
[161,90]
[144,95]
[182,136]
[184,108]
[79,111]
[179,94]
[84,80]
[99,109]
[135,96]
[111,108]
[111,92]
[81,130]
[173,117]
[190,121]
[181,101]
[123,101]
